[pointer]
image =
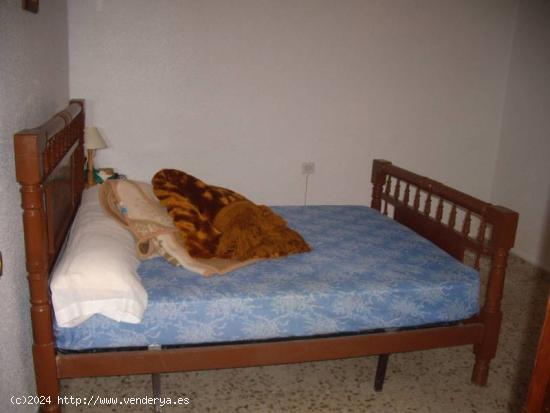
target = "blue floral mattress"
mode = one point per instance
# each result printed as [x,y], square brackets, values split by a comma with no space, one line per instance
[365,272]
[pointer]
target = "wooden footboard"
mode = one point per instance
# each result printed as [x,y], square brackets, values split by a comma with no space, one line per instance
[49,164]
[456,222]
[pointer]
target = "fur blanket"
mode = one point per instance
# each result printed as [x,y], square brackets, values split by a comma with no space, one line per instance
[218,222]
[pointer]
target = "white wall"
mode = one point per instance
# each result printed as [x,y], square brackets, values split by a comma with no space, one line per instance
[33,85]
[522,178]
[241,92]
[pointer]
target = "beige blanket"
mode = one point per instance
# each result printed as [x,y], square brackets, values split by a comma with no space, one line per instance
[135,207]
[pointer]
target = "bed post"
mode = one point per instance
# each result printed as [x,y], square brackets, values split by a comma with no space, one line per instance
[378,178]
[504,232]
[29,147]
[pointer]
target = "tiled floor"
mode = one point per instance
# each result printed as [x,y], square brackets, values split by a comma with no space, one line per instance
[428,381]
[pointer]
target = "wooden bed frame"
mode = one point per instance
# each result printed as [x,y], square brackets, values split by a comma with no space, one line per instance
[49,166]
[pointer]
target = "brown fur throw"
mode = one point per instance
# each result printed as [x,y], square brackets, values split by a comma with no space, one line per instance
[218,222]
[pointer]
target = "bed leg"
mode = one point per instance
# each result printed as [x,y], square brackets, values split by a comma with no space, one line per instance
[157,391]
[381,371]
[491,316]
[155,380]
[47,383]
[480,373]
[30,175]
[486,350]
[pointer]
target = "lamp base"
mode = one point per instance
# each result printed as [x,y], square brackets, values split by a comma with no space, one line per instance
[91,180]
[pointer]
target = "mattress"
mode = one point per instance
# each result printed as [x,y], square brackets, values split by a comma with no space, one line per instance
[365,272]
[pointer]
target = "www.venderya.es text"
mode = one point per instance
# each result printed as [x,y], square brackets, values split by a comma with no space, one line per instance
[94,400]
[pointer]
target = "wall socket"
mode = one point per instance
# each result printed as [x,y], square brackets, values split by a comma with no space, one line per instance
[308,168]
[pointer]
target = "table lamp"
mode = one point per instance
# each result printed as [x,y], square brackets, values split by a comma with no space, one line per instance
[92,141]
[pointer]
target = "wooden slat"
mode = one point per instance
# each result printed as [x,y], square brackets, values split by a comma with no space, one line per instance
[397,189]
[407,194]
[452,217]
[388,185]
[466,224]
[481,240]
[387,191]
[437,188]
[416,203]
[447,238]
[439,211]
[428,205]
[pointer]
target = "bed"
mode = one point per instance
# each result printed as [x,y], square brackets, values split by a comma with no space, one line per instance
[414,213]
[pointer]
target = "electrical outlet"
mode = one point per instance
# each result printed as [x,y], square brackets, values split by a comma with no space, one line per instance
[308,168]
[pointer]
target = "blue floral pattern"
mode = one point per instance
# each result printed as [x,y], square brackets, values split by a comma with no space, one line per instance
[365,272]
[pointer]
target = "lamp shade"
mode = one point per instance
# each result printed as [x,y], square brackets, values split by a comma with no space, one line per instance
[93,139]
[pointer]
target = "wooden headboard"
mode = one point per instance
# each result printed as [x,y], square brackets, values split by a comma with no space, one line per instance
[49,162]
[49,165]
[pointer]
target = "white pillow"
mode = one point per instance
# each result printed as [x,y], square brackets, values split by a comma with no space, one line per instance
[96,273]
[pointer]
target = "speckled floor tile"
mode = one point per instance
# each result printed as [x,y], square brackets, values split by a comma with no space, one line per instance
[427,381]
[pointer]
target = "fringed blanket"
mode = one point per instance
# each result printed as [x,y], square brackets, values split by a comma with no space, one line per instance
[218,222]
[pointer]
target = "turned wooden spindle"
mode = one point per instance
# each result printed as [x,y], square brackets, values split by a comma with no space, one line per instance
[387,191]
[477,260]
[481,241]
[397,190]
[452,217]
[428,204]
[439,211]
[407,194]
[416,204]
[466,224]
[481,231]
[387,188]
